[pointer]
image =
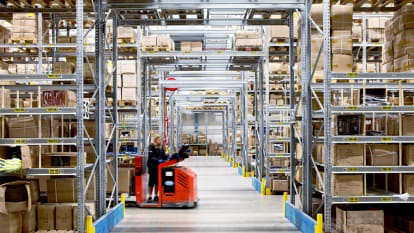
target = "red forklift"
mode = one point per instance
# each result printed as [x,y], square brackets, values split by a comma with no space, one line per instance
[177,184]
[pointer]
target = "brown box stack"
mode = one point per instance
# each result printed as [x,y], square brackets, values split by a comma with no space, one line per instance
[346,155]
[399,45]
[376,29]
[367,221]
[24,27]
[382,154]
[247,40]
[347,185]
[341,41]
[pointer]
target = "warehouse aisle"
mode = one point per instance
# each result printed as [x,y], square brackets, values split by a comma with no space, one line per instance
[228,203]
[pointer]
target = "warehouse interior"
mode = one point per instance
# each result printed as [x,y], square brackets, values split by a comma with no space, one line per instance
[260,116]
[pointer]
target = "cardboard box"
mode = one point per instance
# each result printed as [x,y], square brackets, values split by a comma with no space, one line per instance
[279,31]
[280,185]
[27,127]
[382,154]
[29,220]
[404,64]
[348,155]
[124,180]
[408,184]
[127,66]
[247,35]
[353,221]
[407,125]
[64,217]
[375,35]
[5,100]
[279,162]
[46,216]
[341,42]
[404,43]
[60,159]
[408,155]
[64,190]
[196,46]
[342,63]
[376,22]
[185,46]
[347,185]
[127,33]
[341,17]
[129,93]
[149,42]
[63,68]
[246,43]
[317,14]
[15,197]
[405,19]
[129,80]
[34,190]
[11,223]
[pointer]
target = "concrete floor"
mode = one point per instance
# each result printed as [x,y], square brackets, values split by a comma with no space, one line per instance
[228,203]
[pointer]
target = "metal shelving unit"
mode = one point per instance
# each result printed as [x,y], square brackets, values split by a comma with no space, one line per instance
[363,81]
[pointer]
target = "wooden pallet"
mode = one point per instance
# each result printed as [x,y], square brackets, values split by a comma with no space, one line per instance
[279,39]
[149,48]
[243,48]
[126,41]
[164,48]
[125,103]
[22,41]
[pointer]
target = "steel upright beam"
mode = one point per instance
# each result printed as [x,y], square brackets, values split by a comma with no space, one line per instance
[261,123]
[171,126]
[267,100]
[307,109]
[139,94]
[256,129]
[115,104]
[233,129]
[145,112]
[292,109]
[100,110]
[327,113]
[161,112]
[79,115]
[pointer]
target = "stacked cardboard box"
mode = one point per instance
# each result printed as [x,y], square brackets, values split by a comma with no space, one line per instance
[191,46]
[279,32]
[248,40]
[127,80]
[59,216]
[157,43]
[356,31]
[376,29]
[367,221]
[63,68]
[24,27]
[278,68]
[347,185]
[4,38]
[382,155]
[127,34]
[341,43]
[399,45]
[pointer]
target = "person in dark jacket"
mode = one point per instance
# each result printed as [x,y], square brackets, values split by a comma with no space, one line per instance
[156,155]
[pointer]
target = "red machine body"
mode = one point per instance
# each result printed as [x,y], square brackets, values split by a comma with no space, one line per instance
[177,185]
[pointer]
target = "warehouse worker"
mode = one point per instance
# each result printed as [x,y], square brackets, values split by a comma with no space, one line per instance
[156,155]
